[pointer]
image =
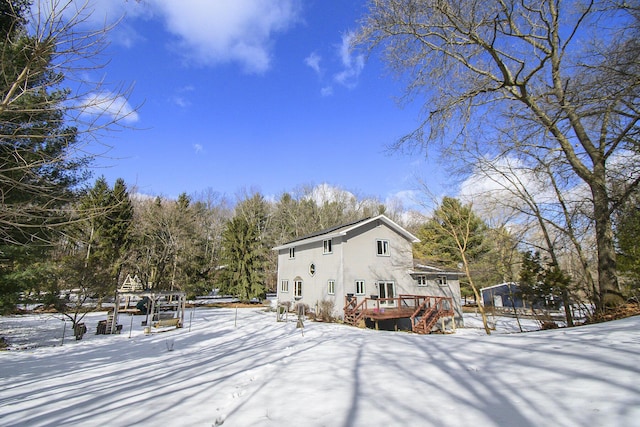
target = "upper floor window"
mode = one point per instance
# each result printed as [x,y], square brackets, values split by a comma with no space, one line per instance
[442,280]
[292,253]
[284,286]
[383,247]
[422,280]
[312,269]
[327,247]
[331,287]
[360,287]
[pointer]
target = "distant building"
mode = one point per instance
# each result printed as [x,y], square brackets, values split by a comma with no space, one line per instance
[502,295]
[509,295]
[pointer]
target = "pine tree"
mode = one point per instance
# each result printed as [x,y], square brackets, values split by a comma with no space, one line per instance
[543,285]
[89,257]
[245,251]
[37,172]
[627,238]
[119,228]
[455,234]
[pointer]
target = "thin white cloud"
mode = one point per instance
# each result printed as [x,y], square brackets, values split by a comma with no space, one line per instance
[181,101]
[349,69]
[313,61]
[109,104]
[353,64]
[217,32]
[181,98]
[126,35]
[326,91]
[198,148]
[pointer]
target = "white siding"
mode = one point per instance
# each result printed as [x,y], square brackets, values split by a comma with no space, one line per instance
[354,257]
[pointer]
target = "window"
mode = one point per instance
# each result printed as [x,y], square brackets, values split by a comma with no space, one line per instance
[331,287]
[312,269]
[284,286]
[422,280]
[442,281]
[359,287]
[297,288]
[327,247]
[383,247]
[292,253]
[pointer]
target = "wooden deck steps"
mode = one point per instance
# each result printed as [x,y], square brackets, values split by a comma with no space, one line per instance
[424,311]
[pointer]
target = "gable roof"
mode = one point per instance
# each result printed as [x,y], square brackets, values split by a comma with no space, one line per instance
[342,230]
[501,285]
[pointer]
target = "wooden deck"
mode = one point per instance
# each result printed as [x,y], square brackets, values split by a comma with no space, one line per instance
[423,310]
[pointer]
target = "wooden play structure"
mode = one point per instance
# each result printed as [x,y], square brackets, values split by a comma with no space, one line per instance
[162,309]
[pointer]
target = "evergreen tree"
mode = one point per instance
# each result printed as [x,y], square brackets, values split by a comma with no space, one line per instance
[42,135]
[627,238]
[455,234]
[38,172]
[439,245]
[41,164]
[543,285]
[89,258]
[245,250]
[119,229]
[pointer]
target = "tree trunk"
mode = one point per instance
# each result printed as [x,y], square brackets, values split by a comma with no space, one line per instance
[609,294]
[476,293]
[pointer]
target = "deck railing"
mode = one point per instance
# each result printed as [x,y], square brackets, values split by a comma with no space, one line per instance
[423,310]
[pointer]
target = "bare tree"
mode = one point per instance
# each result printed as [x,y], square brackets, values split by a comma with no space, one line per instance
[565,73]
[550,216]
[465,232]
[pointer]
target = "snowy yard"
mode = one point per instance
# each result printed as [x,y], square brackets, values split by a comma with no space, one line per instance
[253,371]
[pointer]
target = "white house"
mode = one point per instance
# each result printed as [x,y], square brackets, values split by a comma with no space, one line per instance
[365,265]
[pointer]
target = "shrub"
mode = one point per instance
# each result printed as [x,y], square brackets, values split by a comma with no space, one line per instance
[325,311]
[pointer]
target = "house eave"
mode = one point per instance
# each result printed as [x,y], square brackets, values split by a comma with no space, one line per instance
[309,240]
[343,232]
[428,270]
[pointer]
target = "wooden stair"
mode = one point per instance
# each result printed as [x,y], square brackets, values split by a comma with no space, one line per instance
[353,312]
[428,314]
[424,311]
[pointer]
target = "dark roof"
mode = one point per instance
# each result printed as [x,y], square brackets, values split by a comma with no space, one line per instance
[327,230]
[422,269]
[345,228]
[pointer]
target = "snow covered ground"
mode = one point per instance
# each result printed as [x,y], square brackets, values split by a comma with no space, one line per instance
[250,370]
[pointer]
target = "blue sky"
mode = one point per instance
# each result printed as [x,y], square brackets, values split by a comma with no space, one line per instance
[233,95]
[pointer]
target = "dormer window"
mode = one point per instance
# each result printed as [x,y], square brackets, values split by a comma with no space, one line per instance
[422,280]
[292,253]
[383,247]
[326,247]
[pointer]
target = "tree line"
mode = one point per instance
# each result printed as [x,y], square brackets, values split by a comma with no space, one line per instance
[201,242]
